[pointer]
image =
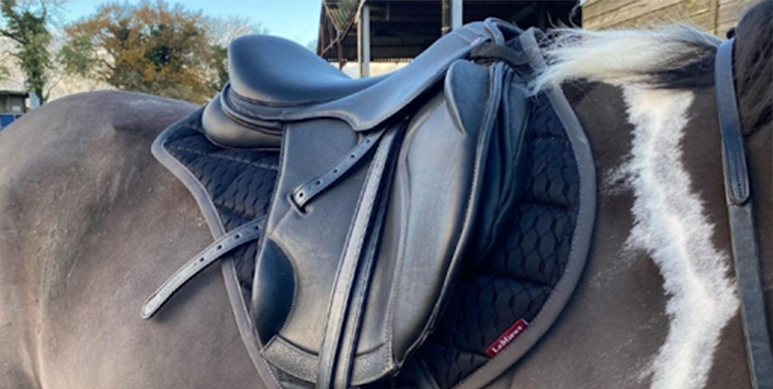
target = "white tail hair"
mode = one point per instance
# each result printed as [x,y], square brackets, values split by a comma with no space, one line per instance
[620,56]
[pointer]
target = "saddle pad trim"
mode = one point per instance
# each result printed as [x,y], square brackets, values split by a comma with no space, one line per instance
[580,241]
[228,268]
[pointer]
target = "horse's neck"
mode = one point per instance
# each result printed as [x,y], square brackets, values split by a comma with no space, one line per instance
[601,110]
[659,151]
[668,131]
[606,114]
[703,140]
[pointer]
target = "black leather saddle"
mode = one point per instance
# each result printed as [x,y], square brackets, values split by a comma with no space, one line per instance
[389,193]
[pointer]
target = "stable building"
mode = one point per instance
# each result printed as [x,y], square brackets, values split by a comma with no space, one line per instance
[714,16]
[395,31]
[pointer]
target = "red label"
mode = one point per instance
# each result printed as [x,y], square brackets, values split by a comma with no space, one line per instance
[507,338]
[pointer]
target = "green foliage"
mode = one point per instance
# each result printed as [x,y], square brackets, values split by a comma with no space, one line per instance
[150,47]
[27,28]
[75,55]
[312,45]
[147,47]
[4,72]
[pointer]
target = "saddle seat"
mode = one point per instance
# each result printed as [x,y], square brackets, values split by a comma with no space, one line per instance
[274,82]
[278,72]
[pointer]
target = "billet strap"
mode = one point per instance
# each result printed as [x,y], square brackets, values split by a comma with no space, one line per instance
[743,233]
[353,275]
[492,52]
[239,236]
[304,193]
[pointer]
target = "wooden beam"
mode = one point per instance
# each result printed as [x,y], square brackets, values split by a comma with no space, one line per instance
[595,8]
[647,14]
[522,14]
[341,61]
[445,17]
[541,15]
[451,11]
[341,35]
[630,11]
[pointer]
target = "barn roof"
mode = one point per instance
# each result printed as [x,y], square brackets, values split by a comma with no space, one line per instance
[401,29]
[13,93]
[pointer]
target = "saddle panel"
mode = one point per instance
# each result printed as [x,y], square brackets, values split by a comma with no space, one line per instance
[442,196]
[503,176]
[226,131]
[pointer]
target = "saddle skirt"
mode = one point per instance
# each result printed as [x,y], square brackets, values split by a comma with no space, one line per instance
[418,223]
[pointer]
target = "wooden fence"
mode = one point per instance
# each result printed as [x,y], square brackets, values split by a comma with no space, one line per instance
[715,16]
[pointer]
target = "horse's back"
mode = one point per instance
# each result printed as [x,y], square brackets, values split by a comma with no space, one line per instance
[86,232]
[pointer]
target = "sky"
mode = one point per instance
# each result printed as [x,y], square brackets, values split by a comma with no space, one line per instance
[297,20]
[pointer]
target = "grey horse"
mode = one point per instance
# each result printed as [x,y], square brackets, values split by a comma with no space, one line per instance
[91,224]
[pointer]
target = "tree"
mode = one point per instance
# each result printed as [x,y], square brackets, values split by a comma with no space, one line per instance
[5,73]
[147,47]
[221,32]
[25,25]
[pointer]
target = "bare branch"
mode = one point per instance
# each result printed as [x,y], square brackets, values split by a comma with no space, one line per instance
[107,64]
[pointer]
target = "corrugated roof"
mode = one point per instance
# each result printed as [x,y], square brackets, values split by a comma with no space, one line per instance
[340,11]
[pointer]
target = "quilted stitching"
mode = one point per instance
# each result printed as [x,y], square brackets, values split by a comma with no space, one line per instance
[527,262]
[512,282]
[239,182]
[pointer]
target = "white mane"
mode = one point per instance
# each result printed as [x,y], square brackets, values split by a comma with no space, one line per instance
[620,56]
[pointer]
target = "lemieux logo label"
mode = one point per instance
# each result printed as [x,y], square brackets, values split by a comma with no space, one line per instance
[507,338]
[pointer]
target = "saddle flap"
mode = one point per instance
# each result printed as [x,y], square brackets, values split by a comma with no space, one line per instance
[441,195]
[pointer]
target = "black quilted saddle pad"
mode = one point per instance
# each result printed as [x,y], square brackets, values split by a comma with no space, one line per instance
[498,307]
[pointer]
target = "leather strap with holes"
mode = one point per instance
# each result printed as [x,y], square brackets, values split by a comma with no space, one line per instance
[346,303]
[743,233]
[304,193]
[239,236]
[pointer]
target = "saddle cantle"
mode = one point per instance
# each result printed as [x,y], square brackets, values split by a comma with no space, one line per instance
[290,76]
[396,199]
